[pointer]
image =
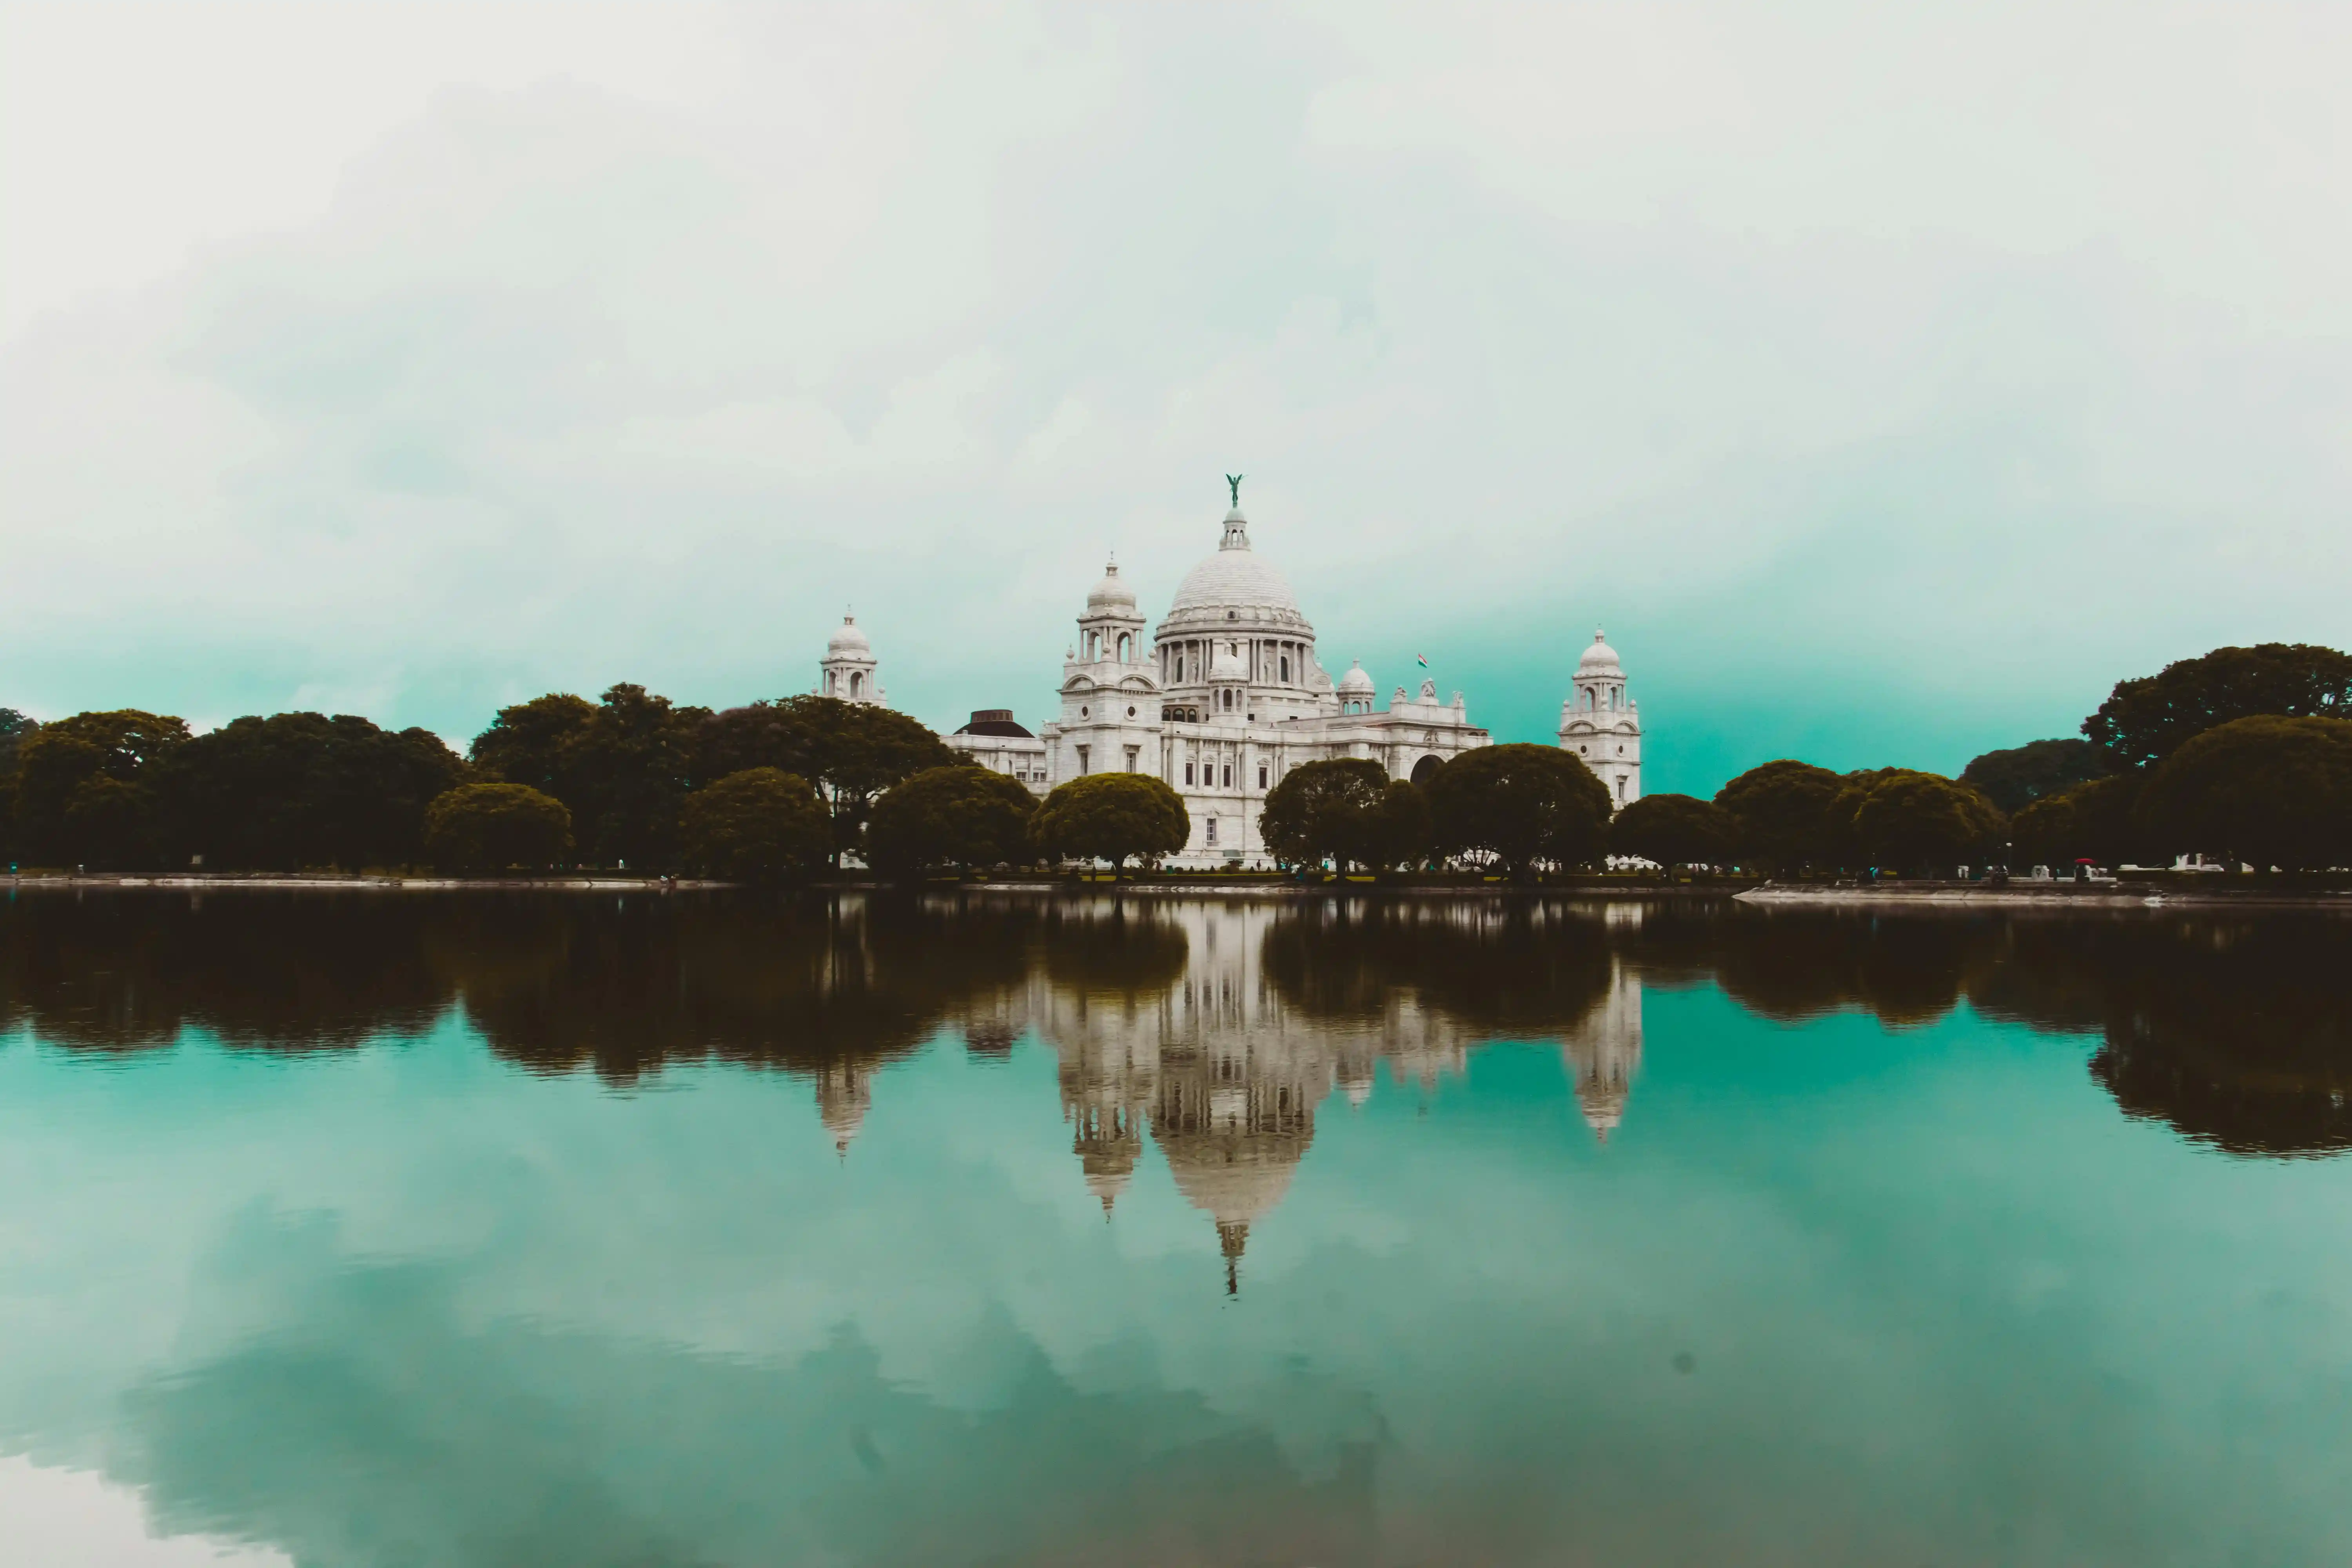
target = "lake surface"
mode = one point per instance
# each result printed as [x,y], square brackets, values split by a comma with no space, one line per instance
[420,1229]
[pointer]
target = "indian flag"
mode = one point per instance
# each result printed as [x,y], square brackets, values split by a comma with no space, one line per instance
[1424,659]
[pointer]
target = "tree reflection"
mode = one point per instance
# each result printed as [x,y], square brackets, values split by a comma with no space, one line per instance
[1213,1027]
[128,971]
[2237,1032]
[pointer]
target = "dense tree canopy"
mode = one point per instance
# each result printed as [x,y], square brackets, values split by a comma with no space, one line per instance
[1675,830]
[2098,821]
[759,825]
[1326,811]
[2015,778]
[851,751]
[1116,817]
[535,742]
[1918,821]
[2145,720]
[631,769]
[301,790]
[492,827]
[1403,833]
[2268,791]
[959,817]
[89,788]
[1784,814]
[14,727]
[622,766]
[1522,804]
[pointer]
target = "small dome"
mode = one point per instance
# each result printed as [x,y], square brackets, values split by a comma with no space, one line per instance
[1110,594]
[1599,658]
[847,638]
[1355,683]
[1227,664]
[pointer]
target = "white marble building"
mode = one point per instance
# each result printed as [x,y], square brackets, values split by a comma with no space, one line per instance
[1227,694]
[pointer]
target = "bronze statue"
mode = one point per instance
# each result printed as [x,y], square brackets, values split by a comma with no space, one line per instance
[1235,482]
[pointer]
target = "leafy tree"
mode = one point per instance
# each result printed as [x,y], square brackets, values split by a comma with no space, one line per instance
[1113,817]
[1675,830]
[2144,721]
[86,787]
[1904,818]
[1784,814]
[2015,778]
[496,828]
[958,815]
[1400,830]
[2098,821]
[14,727]
[851,751]
[1521,805]
[2269,791]
[1325,810]
[761,824]
[301,789]
[629,771]
[535,742]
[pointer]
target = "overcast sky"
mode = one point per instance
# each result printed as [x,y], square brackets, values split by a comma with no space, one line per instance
[1887,380]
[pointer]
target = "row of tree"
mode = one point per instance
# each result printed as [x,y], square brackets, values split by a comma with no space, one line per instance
[2243,752]
[610,783]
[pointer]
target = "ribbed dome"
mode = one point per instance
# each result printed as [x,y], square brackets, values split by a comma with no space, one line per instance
[848,639]
[1110,594]
[1355,683]
[1235,578]
[1599,658]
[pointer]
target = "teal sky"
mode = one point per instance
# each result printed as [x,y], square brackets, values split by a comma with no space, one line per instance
[1887,384]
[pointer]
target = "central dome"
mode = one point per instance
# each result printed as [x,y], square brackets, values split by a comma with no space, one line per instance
[1237,579]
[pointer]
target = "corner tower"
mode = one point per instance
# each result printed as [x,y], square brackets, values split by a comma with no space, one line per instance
[847,670]
[1601,724]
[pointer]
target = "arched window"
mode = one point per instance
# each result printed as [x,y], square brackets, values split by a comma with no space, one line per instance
[1286,667]
[856,684]
[1126,648]
[831,679]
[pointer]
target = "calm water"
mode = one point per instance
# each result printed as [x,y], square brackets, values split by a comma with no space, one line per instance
[403,1230]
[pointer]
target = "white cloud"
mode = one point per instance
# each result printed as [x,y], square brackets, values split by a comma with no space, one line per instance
[451,355]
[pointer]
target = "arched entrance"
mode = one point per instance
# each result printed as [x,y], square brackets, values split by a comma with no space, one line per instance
[1426,769]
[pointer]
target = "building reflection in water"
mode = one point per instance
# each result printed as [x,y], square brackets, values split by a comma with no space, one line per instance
[1223,1061]
[1212,1029]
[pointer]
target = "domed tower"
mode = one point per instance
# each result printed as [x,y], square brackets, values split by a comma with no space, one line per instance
[1111,630]
[1111,702]
[1236,607]
[1601,724]
[847,670]
[1356,690]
